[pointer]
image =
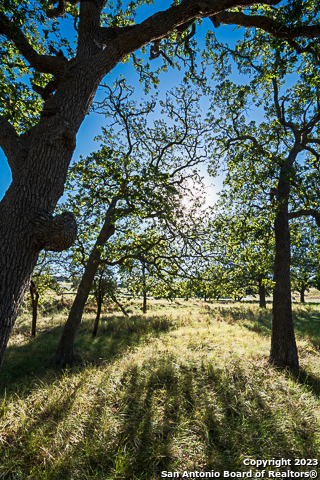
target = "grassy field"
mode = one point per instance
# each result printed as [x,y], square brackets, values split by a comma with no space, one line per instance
[185,387]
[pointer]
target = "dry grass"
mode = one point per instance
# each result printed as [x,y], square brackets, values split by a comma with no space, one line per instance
[185,387]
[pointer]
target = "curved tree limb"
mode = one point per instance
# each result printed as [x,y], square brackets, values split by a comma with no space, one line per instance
[162,23]
[14,148]
[306,213]
[47,91]
[267,24]
[41,63]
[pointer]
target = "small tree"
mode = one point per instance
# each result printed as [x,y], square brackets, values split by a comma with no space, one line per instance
[305,260]
[42,281]
[139,281]
[267,172]
[104,287]
[128,196]
[242,246]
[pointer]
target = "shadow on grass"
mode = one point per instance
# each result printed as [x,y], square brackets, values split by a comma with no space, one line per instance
[34,359]
[306,319]
[254,319]
[198,418]
[307,379]
[166,416]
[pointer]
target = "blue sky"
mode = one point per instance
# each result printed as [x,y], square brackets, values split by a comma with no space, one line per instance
[92,123]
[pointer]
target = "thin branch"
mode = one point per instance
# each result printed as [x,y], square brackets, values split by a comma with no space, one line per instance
[243,137]
[114,299]
[312,123]
[136,256]
[281,115]
[315,154]
[61,9]
[155,52]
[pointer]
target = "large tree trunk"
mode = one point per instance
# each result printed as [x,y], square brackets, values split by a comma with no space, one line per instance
[39,161]
[27,225]
[283,344]
[64,354]
[262,294]
[16,265]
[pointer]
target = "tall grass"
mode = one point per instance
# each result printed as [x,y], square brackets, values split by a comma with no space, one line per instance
[185,387]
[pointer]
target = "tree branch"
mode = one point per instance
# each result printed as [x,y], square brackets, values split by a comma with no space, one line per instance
[281,115]
[313,140]
[114,299]
[136,256]
[244,138]
[267,24]
[61,9]
[15,149]
[129,39]
[309,126]
[41,63]
[306,213]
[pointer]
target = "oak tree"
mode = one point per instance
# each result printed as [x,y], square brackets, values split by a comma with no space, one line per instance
[267,171]
[305,258]
[127,197]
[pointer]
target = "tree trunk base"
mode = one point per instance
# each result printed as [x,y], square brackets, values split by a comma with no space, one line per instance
[283,360]
[63,359]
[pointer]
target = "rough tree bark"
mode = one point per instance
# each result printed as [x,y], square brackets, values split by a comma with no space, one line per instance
[65,354]
[283,344]
[39,160]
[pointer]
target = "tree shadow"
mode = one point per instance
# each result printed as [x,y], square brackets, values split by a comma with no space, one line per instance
[256,428]
[306,320]
[163,413]
[170,417]
[306,379]
[34,358]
